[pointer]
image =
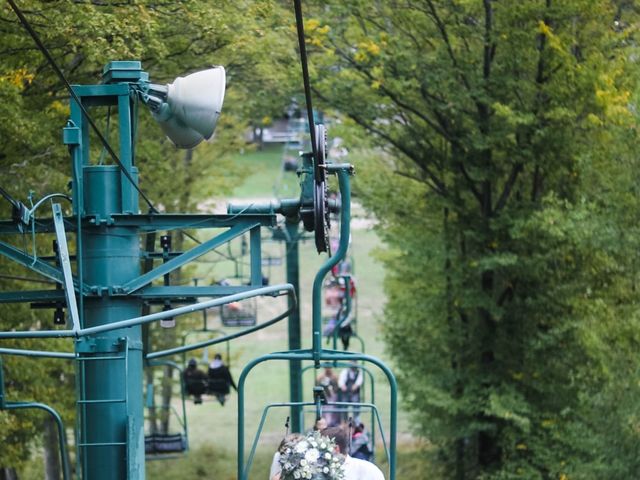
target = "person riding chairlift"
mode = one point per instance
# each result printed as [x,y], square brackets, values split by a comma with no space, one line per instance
[195,381]
[220,379]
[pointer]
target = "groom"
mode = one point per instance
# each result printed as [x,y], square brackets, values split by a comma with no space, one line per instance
[354,468]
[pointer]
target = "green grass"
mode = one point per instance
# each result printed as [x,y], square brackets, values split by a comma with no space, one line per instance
[266,178]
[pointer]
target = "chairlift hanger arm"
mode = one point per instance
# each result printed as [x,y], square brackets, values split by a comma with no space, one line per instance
[225,338]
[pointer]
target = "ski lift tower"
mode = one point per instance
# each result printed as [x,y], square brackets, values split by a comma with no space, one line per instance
[105,290]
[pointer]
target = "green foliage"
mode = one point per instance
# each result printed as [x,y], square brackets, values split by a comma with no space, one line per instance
[499,163]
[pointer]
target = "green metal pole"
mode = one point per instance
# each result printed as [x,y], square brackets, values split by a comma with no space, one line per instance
[110,397]
[111,406]
[343,172]
[293,278]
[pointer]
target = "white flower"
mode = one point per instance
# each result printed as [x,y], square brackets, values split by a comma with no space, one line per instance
[303,462]
[296,474]
[325,470]
[327,456]
[312,455]
[301,447]
[323,445]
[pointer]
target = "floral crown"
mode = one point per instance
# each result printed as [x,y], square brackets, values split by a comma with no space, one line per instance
[312,457]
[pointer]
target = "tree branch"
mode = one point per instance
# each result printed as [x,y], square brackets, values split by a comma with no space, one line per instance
[508,187]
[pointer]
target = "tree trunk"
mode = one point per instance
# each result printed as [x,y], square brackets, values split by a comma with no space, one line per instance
[8,473]
[153,414]
[167,394]
[52,467]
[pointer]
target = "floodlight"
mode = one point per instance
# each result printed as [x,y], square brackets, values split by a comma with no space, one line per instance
[188,109]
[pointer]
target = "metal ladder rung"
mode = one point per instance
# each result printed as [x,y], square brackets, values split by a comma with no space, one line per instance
[86,359]
[116,400]
[106,444]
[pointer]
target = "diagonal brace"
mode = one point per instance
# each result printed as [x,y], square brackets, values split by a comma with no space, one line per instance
[187,256]
[38,266]
[63,253]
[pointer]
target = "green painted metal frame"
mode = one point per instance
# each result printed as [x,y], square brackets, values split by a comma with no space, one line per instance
[327,355]
[195,252]
[144,222]
[82,332]
[246,331]
[62,440]
[293,328]
[35,264]
[65,263]
[317,354]
[32,296]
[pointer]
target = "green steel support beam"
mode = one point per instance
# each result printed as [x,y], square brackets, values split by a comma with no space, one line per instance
[34,264]
[37,353]
[171,221]
[72,306]
[188,256]
[343,171]
[141,320]
[293,277]
[153,292]
[145,222]
[110,407]
[32,296]
[255,255]
[189,294]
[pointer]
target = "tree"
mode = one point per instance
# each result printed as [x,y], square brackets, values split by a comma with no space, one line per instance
[503,179]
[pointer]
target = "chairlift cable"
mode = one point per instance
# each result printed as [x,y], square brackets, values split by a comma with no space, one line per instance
[14,203]
[305,75]
[55,67]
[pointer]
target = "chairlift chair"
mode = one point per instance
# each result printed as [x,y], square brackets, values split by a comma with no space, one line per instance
[162,446]
[239,314]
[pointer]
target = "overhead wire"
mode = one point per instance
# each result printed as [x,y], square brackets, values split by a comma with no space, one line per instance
[305,75]
[58,71]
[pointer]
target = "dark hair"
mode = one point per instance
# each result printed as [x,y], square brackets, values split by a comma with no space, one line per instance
[340,436]
[217,356]
[193,362]
[292,437]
